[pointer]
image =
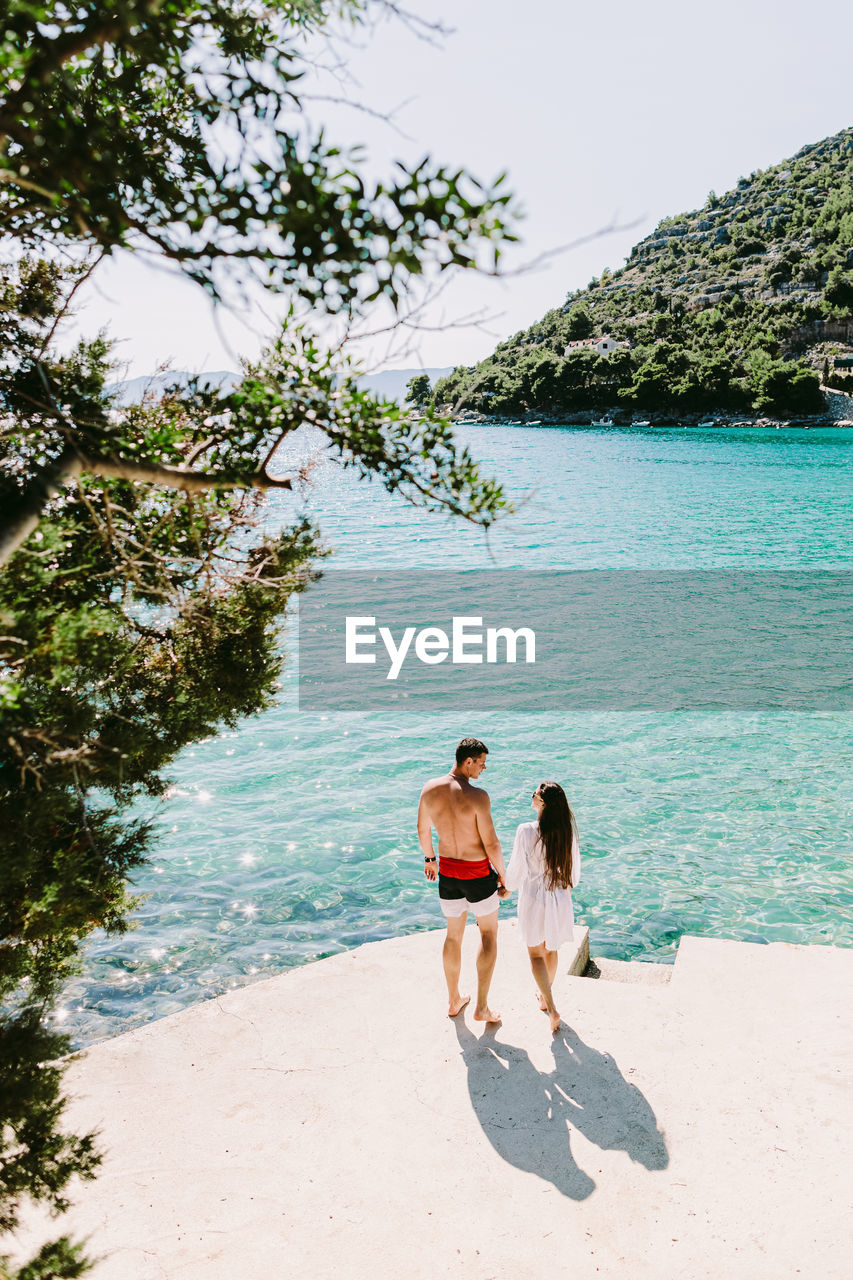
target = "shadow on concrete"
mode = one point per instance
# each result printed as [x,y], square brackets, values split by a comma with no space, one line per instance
[528,1114]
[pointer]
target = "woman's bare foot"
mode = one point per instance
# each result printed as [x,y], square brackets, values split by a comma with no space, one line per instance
[556,1022]
[457,1005]
[486,1015]
[542,1005]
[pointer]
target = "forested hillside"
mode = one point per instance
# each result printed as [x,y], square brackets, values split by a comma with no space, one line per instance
[744,306]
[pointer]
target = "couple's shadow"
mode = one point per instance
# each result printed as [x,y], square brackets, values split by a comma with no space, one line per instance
[528,1114]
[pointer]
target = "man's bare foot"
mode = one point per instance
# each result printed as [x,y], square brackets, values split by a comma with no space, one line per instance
[486,1015]
[556,1022]
[456,1006]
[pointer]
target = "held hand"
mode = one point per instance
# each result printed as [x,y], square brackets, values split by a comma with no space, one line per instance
[431,869]
[503,891]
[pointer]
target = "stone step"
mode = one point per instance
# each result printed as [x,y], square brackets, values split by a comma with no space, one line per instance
[636,971]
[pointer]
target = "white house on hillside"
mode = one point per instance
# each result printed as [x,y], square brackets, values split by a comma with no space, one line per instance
[603,345]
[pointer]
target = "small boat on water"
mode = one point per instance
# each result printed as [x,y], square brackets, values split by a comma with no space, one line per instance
[644,422]
[602,422]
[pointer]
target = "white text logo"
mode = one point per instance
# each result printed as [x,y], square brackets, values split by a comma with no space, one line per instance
[465,644]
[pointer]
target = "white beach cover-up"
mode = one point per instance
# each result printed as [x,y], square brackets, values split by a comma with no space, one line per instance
[543,914]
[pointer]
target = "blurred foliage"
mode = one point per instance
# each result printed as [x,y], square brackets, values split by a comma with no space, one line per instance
[179,125]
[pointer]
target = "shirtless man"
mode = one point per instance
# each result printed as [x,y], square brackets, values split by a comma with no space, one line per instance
[470,869]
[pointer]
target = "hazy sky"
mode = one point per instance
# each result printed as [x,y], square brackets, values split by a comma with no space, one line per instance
[602,112]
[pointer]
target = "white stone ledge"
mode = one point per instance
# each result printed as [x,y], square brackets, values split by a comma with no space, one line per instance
[333,1122]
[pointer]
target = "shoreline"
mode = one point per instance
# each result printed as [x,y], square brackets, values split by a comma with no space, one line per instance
[618,418]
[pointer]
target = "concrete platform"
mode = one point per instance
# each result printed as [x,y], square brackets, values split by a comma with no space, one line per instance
[333,1122]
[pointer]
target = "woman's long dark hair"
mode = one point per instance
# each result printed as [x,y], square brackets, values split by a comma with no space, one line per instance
[557,828]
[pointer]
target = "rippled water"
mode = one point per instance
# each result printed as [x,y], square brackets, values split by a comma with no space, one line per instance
[294,837]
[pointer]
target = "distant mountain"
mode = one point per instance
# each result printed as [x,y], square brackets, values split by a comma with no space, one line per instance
[744,306]
[391,384]
[134,389]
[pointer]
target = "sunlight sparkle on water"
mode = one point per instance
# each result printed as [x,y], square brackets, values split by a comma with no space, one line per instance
[728,824]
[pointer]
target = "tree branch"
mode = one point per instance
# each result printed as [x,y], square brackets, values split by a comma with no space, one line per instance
[72,43]
[177,477]
[45,484]
[17,526]
[10,176]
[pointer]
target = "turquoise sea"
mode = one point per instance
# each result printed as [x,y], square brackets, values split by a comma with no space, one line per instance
[294,837]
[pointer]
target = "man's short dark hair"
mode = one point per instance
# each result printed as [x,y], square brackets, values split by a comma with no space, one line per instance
[470,748]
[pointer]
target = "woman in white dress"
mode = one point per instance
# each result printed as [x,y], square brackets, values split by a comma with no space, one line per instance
[544,867]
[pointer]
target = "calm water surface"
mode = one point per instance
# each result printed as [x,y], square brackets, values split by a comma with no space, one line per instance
[294,838]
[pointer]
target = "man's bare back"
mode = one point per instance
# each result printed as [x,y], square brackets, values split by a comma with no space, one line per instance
[462,817]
